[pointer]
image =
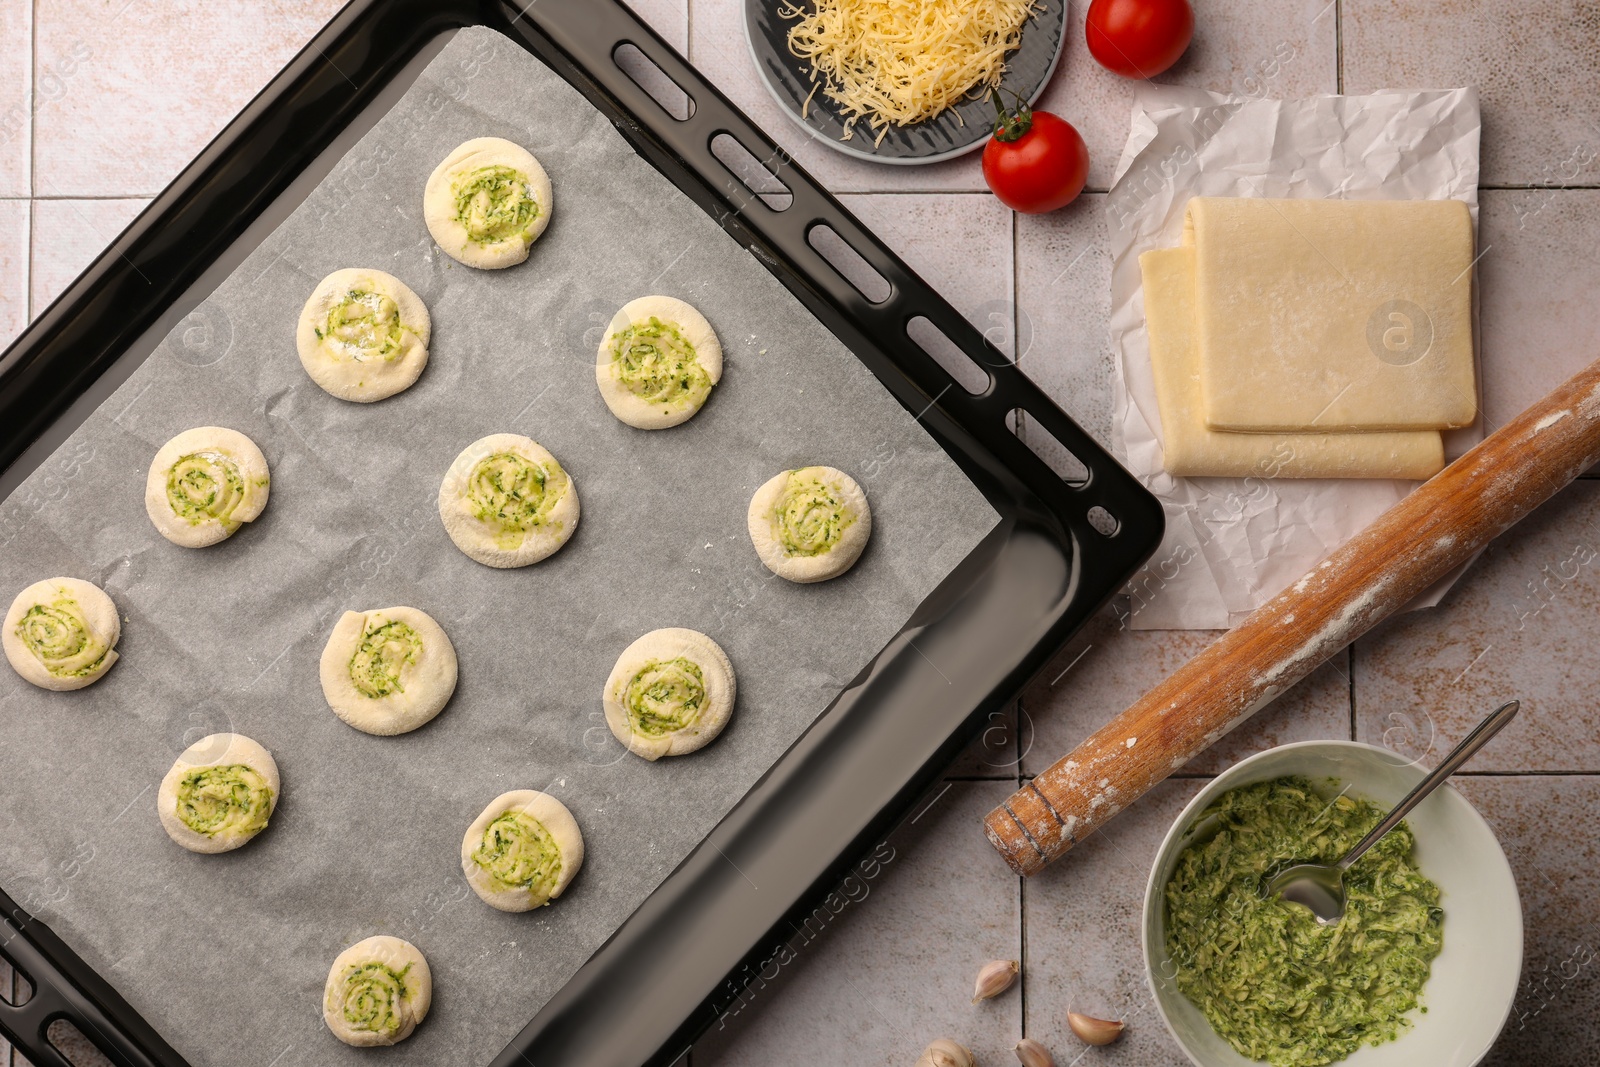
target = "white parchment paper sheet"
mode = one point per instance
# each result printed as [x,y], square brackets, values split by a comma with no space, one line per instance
[1233,543]
[227,955]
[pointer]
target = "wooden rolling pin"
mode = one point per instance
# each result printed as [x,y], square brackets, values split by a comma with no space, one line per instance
[1411,546]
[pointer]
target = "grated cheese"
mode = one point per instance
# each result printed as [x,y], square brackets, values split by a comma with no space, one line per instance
[898,62]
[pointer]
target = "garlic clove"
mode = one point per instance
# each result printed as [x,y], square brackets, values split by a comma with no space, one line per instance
[994,978]
[1033,1054]
[1092,1031]
[946,1053]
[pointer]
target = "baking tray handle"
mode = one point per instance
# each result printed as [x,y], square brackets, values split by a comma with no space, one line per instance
[65,988]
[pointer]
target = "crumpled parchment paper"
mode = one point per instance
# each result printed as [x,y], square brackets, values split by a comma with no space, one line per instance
[1233,543]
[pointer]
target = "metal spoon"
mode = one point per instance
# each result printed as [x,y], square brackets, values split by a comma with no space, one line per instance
[1320,886]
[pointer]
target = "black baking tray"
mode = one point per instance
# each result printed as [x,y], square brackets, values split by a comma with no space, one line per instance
[1063,547]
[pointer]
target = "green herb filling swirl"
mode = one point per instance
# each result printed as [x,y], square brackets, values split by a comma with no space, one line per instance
[364,326]
[809,516]
[665,696]
[1271,980]
[657,364]
[514,493]
[205,486]
[518,852]
[59,635]
[384,651]
[232,798]
[371,997]
[493,204]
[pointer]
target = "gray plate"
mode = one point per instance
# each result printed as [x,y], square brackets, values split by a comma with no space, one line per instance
[951,133]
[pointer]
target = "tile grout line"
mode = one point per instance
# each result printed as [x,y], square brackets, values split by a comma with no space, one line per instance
[1514,187]
[33,112]
[1022,883]
[1097,190]
[28,264]
[1019,427]
[1206,776]
[1016,743]
[1527,774]
[917,192]
[1338,46]
[67,197]
[28,267]
[1016,294]
[1022,956]
[1351,663]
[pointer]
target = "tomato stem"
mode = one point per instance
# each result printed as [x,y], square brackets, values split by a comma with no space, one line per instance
[1010,123]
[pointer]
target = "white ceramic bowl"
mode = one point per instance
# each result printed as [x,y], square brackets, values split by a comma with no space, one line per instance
[1474,979]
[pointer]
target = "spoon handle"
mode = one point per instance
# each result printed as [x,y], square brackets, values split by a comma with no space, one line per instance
[1480,735]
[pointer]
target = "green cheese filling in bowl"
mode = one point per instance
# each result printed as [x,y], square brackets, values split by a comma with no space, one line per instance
[1424,966]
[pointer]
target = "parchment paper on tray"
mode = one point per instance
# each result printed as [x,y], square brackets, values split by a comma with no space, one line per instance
[226,955]
[1234,543]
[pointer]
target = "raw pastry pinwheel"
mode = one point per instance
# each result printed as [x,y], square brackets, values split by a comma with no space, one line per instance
[523,851]
[811,524]
[220,793]
[487,202]
[506,502]
[657,362]
[61,633]
[388,671]
[378,990]
[204,484]
[670,693]
[363,335]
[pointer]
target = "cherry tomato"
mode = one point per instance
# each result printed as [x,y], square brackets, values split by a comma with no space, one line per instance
[1139,38]
[1035,162]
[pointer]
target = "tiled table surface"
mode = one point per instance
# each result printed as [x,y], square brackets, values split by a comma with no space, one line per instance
[102,101]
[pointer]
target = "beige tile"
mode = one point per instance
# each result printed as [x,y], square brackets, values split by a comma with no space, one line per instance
[16,83]
[13,269]
[719,50]
[1082,920]
[1537,277]
[893,970]
[1535,67]
[669,18]
[994,751]
[1063,307]
[66,237]
[1105,668]
[959,243]
[1524,622]
[140,87]
[1273,50]
[1546,826]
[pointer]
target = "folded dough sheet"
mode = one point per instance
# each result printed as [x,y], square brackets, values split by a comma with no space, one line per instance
[226,955]
[1189,449]
[1333,315]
